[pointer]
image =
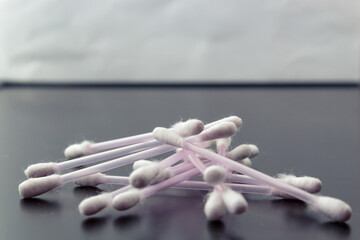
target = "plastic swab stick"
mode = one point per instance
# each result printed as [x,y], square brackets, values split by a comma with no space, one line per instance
[331,207]
[222,145]
[185,129]
[45,169]
[36,186]
[95,204]
[143,176]
[190,127]
[103,200]
[309,184]
[99,178]
[31,187]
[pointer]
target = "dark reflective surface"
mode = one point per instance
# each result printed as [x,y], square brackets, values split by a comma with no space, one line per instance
[36,205]
[304,131]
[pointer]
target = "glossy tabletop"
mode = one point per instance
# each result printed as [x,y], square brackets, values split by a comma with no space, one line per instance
[311,131]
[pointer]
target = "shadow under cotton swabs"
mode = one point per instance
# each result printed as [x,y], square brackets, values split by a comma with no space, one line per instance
[94,224]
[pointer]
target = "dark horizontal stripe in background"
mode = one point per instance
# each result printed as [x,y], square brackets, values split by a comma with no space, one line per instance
[274,84]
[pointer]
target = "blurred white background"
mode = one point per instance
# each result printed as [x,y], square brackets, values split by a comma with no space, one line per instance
[179,40]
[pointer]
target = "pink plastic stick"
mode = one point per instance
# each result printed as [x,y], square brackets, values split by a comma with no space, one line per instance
[261,177]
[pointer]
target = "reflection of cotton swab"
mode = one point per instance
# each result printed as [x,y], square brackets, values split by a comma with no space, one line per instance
[331,207]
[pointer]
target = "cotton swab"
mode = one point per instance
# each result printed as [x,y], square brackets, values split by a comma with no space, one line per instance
[103,200]
[214,208]
[239,153]
[185,129]
[233,201]
[142,176]
[188,128]
[240,183]
[87,147]
[36,186]
[100,178]
[331,207]
[45,169]
[214,175]
[150,190]
[95,204]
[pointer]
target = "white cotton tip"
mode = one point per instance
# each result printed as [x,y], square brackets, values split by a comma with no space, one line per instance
[142,163]
[189,128]
[333,208]
[126,200]
[223,142]
[42,170]
[169,137]
[308,184]
[246,161]
[254,150]
[214,175]
[214,207]
[92,180]
[162,176]
[77,150]
[142,177]
[221,130]
[234,201]
[239,153]
[234,119]
[95,204]
[36,186]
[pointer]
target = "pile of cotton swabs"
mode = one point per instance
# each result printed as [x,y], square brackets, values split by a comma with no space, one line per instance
[226,173]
